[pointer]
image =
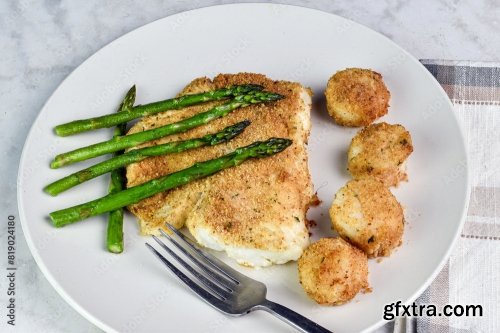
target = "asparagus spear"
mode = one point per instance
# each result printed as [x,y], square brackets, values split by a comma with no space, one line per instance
[199,170]
[83,125]
[114,232]
[137,155]
[135,139]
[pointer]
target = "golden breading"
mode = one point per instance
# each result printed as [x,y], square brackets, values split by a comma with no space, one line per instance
[356,97]
[366,214]
[332,271]
[380,151]
[256,211]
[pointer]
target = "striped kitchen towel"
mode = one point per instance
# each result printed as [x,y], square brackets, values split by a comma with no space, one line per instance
[472,274]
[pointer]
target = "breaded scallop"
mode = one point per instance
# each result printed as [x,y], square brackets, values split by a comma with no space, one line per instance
[332,271]
[380,151]
[366,214]
[356,97]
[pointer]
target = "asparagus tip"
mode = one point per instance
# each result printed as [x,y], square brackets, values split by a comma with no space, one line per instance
[268,147]
[242,124]
[244,89]
[275,97]
[254,97]
[129,100]
[251,87]
[132,92]
[227,133]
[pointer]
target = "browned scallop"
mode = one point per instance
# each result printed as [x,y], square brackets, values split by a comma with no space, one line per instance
[332,271]
[356,97]
[366,214]
[380,151]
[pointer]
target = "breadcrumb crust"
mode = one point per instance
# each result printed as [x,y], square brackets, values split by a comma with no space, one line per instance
[366,214]
[260,204]
[356,97]
[332,271]
[380,150]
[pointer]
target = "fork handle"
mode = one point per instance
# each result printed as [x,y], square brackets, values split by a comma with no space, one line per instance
[292,318]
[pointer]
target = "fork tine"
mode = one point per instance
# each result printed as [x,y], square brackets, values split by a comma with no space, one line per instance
[221,291]
[217,264]
[204,294]
[201,263]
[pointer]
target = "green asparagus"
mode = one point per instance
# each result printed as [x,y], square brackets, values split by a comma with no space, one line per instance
[114,232]
[135,139]
[137,155]
[83,125]
[199,170]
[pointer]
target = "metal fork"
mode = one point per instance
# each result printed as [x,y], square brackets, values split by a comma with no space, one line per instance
[223,287]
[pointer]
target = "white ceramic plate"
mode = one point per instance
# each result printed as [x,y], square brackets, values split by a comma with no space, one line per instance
[132,291]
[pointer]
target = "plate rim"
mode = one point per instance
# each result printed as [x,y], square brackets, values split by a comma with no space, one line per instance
[95,321]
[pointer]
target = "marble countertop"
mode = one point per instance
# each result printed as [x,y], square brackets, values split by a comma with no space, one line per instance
[43,41]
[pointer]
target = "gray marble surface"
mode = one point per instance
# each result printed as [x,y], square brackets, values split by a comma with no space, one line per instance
[41,42]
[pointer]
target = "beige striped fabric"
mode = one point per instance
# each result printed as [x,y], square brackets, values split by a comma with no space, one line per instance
[472,274]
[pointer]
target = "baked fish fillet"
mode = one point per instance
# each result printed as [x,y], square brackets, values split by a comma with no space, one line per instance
[256,212]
